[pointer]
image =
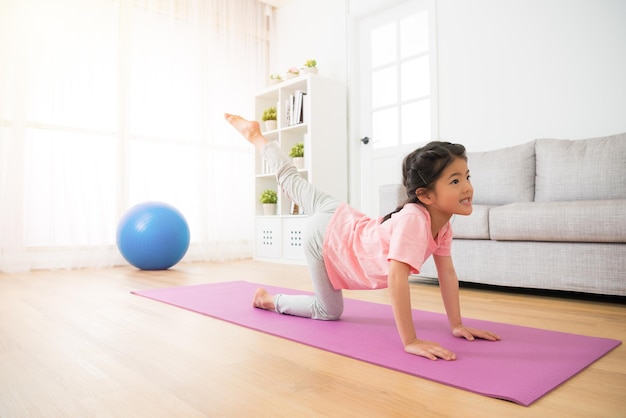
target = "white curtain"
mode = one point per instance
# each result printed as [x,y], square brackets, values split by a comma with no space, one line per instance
[105,104]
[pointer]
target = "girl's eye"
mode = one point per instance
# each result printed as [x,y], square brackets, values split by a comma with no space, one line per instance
[469,177]
[455,181]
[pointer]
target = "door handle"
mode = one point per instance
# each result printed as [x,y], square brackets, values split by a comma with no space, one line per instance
[365,140]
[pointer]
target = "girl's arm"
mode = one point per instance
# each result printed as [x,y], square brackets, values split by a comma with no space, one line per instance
[398,282]
[449,286]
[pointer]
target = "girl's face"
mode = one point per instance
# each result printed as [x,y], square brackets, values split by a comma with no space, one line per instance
[453,191]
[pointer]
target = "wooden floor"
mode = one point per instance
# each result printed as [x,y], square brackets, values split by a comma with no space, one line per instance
[78,344]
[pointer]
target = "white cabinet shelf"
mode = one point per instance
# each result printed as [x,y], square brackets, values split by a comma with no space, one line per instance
[323,131]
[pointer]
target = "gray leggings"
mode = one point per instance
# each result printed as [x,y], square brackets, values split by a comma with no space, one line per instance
[327,303]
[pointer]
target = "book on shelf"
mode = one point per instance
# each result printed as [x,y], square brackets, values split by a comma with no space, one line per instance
[295,108]
[288,112]
[305,108]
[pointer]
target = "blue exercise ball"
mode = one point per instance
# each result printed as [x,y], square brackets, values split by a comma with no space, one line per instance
[153,236]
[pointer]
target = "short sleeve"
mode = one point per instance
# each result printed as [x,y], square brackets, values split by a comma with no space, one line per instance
[409,240]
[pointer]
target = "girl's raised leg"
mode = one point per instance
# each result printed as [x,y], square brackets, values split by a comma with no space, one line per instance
[249,129]
[327,304]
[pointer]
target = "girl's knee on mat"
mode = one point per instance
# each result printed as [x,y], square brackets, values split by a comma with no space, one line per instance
[328,313]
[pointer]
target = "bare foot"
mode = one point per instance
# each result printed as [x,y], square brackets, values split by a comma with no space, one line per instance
[263,300]
[248,128]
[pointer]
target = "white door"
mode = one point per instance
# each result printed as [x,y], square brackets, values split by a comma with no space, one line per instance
[396,103]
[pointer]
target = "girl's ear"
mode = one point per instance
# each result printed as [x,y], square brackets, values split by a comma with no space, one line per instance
[424,195]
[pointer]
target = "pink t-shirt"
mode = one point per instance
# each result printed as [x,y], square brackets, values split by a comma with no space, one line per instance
[357,248]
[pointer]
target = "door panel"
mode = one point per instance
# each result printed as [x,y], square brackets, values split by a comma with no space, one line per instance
[396,104]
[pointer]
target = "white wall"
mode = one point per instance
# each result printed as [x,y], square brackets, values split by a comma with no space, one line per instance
[509,70]
[514,70]
[310,29]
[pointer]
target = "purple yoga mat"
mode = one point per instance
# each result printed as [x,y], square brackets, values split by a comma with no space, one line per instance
[525,365]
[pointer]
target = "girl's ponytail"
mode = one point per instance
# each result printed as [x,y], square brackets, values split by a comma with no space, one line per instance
[399,208]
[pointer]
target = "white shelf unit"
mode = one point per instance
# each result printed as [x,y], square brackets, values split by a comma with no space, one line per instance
[279,238]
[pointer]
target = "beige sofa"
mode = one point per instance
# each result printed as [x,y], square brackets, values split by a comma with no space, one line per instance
[548,214]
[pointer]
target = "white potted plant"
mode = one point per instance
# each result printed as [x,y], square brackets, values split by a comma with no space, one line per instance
[269,117]
[275,79]
[292,72]
[297,155]
[310,66]
[269,198]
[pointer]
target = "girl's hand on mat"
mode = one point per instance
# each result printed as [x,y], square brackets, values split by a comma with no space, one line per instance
[471,333]
[429,349]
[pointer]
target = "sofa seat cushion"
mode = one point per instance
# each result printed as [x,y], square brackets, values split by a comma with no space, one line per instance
[503,176]
[585,169]
[572,221]
[475,226]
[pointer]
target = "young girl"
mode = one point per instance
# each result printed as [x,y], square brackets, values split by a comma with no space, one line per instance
[345,249]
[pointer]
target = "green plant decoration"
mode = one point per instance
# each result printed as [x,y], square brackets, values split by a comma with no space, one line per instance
[297,150]
[269,114]
[268,196]
[310,64]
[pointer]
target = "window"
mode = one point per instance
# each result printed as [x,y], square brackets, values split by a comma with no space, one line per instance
[401,81]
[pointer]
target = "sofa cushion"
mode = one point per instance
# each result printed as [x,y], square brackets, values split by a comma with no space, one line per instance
[390,196]
[586,169]
[503,176]
[573,221]
[475,226]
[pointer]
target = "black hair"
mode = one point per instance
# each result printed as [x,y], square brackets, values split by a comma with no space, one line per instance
[423,167]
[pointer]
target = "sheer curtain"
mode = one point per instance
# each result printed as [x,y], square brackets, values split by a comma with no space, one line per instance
[108,103]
